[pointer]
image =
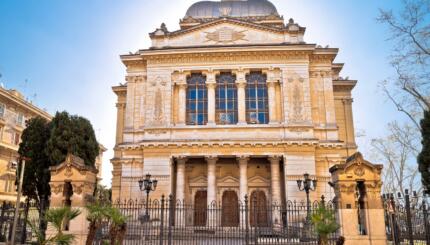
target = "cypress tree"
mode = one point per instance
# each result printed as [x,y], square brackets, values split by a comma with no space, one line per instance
[424,156]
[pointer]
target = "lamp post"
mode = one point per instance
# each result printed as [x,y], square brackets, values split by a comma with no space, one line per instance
[18,200]
[307,185]
[147,185]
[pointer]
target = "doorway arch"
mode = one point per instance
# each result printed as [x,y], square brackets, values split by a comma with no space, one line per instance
[259,213]
[200,208]
[230,209]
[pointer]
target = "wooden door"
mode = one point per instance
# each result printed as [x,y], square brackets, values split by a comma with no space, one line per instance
[258,210]
[230,209]
[200,208]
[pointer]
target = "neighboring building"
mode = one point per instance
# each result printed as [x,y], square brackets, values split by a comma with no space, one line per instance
[233,103]
[14,111]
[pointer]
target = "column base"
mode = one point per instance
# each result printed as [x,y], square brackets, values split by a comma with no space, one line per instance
[273,123]
[211,124]
[242,123]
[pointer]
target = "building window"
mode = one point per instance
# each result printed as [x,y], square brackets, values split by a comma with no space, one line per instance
[226,99]
[15,138]
[2,110]
[20,119]
[257,105]
[197,100]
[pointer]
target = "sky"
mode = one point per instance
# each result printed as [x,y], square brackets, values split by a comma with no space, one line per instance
[64,55]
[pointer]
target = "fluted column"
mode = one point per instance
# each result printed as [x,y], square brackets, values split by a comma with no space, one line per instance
[241,96]
[211,85]
[275,186]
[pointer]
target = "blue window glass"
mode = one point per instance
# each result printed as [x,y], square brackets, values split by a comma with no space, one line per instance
[197,98]
[257,110]
[226,99]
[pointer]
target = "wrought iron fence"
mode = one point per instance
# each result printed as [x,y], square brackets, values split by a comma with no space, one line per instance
[406,219]
[251,222]
[27,211]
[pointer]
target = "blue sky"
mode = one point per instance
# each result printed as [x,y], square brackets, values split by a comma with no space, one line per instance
[68,51]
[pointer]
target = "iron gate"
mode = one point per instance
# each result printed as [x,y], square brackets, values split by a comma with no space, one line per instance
[169,222]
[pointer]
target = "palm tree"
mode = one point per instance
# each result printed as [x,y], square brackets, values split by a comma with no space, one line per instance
[97,213]
[118,226]
[324,221]
[57,218]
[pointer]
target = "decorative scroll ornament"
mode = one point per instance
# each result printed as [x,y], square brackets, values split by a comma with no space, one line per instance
[225,35]
[359,171]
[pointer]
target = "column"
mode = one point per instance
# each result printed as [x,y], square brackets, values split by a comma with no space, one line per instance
[276,188]
[120,122]
[211,220]
[241,97]
[243,180]
[182,108]
[211,192]
[180,178]
[243,186]
[271,93]
[211,85]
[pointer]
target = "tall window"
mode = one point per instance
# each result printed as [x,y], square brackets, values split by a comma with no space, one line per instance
[20,119]
[2,110]
[257,105]
[197,100]
[226,99]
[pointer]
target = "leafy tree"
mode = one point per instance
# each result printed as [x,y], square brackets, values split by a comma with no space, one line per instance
[97,212]
[324,222]
[424,156]
[36,174]
[72,134]
[118,226]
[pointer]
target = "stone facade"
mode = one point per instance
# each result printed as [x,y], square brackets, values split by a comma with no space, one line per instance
[14,111]
[309,128]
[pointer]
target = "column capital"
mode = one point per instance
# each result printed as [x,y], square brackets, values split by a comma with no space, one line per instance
[211,159]
[240,74]
[211,85]
[274,159]
[243,159]
[181,159]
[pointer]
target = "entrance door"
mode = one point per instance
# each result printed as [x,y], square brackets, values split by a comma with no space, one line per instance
[259,212]
[200,208]
[230,209]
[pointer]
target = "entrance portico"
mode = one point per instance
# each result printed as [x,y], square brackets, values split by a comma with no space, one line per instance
[223,181]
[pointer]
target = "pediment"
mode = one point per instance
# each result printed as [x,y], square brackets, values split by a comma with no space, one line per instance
[199,180]
[220,32]
[228,179]
[257,179]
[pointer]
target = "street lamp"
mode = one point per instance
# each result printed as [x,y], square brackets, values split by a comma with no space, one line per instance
[307,185]
[147,185]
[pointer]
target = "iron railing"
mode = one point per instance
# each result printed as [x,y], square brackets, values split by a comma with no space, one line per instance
[27,211]
[406,219]
[169,222]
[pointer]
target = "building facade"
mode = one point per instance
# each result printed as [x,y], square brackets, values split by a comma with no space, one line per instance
[233,103]
[14,111]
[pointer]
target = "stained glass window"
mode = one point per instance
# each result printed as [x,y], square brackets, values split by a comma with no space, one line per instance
[257,104]
[226,99]
[197,98]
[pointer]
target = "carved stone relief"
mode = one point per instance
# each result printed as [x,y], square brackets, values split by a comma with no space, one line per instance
[158,113]
[225,35]
[297,99]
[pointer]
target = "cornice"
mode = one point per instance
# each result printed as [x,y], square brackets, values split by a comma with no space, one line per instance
[344,85]
[23,104]
[222,21]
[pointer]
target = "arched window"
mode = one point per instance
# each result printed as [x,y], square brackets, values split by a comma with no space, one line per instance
[226,99]
[197,100]
[257,104]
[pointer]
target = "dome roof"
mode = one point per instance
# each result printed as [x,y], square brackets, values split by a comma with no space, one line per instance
[233,8]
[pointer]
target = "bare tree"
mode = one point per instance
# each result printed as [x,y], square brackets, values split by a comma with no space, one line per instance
[398,151]
[409,88]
